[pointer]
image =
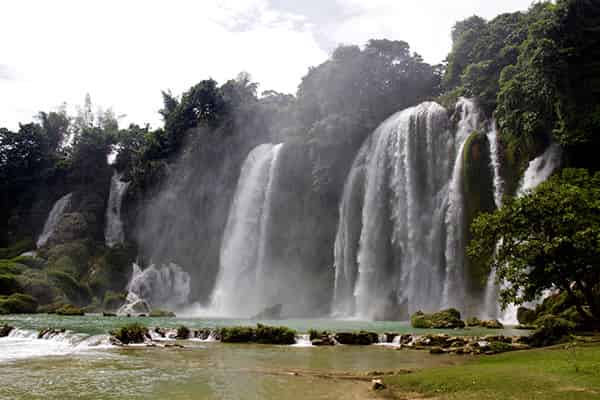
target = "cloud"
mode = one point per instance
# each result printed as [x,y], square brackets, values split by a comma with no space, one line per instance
[124,52]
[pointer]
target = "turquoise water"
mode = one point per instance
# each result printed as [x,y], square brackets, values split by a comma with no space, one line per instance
[97,324]
[83,365]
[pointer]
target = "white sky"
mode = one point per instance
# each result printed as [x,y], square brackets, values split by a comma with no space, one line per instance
[124,52]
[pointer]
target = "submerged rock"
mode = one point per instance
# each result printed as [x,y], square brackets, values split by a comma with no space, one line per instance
[273,312]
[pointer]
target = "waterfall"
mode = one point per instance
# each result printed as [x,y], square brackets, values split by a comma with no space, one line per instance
[113,231]
[58,210]
[405,250]
[540,169]
[156,286]
[240,289]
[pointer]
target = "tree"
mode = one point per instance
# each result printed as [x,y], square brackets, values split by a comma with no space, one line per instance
[547,239]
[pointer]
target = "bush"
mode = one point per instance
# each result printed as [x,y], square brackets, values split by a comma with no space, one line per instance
[315,334]
[237,334]
[275,334]
[525,315]
[18,303]
[16,249]
[132,333]
[9,284]
[69,309]
[357,338]
[551,330]
[31,262]
[183,332]
[420,320]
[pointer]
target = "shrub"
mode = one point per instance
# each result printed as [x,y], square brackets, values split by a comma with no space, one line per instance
[16,249]
[525,315]
[183,332]
[9,284]
[551,330]
[18,303]
[132,333]
[275,334]
[357,338]
[237,334]
[445,319]
[316,334]
[420,320]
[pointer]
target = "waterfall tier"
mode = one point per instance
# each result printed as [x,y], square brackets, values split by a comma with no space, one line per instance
[58,210]
[113,231]
[242,287]
[400,240]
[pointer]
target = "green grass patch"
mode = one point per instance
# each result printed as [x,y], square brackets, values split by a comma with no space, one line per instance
[561,372]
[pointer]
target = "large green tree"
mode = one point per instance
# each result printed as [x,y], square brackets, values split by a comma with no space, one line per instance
[547,239]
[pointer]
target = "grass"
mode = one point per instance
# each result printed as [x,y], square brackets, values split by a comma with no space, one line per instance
[560,372]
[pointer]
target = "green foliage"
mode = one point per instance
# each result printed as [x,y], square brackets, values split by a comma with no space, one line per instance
[274,334]
[547,239]
[9,284]
[17,303]
[17,248]
[316,334]
[31,262]
[75,291]
[362,338]
[183,332]
[11,267]
[237,334]
[525,316]
[132,333]
[551,330]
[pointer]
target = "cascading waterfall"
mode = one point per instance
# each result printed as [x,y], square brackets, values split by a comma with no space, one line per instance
[410,246]
[58,210]
[538,171]
[156,286]
[113,232]
[240,289]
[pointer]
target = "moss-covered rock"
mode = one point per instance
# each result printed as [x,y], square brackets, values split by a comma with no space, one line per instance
[274,334]
[31,262]
[445,319]
[75,291]
[35,283]
[18,303]
[71,227]
[473,321]
[112,301]
[132,333]
[69,309]
[11,267]
[357,338]
[156,313]
[72,257]
[478,190]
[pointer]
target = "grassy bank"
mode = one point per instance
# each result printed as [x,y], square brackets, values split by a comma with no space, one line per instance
[560,372]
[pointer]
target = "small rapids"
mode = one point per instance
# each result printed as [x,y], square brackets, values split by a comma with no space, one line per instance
[23,343]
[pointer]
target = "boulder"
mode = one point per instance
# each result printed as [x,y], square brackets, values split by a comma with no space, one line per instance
[377,384]
[132,333]
[491,324]
[5,330]
[357,338]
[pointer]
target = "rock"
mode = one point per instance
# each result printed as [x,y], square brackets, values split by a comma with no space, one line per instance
[134,305]
[440,340]
[156,313]
[273,312]
[377,384]
[183,332]
[436,350]
[108,314]
[389,337]
[71,227]
[70,310]
[323,341]
[473,321]
[497,338]
[132,333]
[203,333]
[5,330]
[47,333]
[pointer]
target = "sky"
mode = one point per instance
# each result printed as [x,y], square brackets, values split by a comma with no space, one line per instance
[123,53]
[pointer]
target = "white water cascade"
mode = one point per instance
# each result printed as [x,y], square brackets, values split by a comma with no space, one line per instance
[241,284]
[538,171]
[404,250]
[156,286]
[58,210]
[113,231]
